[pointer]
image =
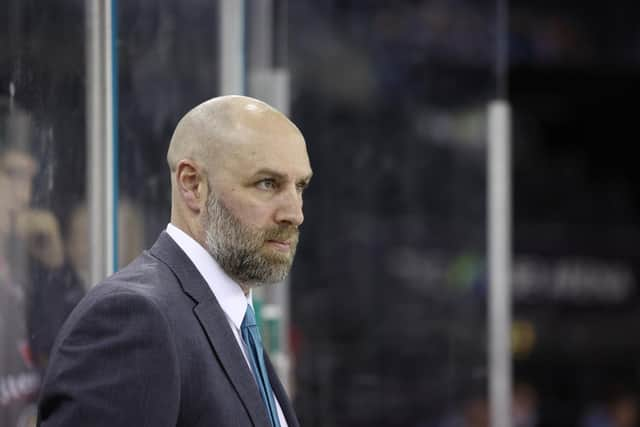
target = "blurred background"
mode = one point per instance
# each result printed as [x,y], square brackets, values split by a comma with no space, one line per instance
[385,318]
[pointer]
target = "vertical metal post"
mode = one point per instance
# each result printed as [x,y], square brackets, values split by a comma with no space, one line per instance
[100,137]
[260,24]
[499,225]
[231,18]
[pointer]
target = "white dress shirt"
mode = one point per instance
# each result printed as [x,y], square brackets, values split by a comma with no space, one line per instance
[229,294]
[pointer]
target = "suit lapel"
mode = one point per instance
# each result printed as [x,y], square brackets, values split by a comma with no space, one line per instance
[215,326]
[281,394]
[225,346]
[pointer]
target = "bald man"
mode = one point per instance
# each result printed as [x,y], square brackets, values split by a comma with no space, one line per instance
[160,342]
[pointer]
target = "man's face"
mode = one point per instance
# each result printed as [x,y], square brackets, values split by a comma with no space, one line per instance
[254,206]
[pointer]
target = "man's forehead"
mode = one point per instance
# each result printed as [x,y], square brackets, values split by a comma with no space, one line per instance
[283,138]
[253,137]
[290,174]
[285,158]
[293,166]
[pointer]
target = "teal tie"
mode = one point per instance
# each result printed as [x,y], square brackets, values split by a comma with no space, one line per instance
[253,343]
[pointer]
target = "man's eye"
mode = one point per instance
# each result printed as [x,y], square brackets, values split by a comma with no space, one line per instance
[301,187]
[266,184]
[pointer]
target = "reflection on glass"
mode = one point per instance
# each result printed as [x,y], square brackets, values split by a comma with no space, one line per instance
[163,72]
[42,168]
[20,232]
[389,295]
[576,225]
[37,288]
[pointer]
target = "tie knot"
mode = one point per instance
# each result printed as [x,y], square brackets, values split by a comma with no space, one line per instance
[249,318]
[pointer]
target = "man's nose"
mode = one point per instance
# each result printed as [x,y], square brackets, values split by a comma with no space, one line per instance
[290,208]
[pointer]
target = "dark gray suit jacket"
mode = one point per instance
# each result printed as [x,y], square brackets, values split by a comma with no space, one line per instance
[151,347]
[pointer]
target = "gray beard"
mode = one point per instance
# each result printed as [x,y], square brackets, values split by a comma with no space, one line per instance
[238,248]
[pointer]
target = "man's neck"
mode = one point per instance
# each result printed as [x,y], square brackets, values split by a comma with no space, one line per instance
[245,289]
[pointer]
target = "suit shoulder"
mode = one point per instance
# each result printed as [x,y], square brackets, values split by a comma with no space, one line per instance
[145,276]
[145,281]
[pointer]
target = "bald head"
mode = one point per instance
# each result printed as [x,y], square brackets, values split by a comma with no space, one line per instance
[208,131]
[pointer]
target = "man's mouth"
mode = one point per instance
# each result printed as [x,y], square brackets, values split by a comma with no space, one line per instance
[281,245]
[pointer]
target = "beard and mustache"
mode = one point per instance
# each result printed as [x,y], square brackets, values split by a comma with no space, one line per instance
[240,250]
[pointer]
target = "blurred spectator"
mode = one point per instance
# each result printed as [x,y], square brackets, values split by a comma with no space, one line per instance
[34,297]
[77,241]
[130,237]
[620,410]
[475,409]
[474,413]
[525,405]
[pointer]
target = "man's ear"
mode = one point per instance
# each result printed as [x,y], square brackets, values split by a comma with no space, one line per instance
[191,184]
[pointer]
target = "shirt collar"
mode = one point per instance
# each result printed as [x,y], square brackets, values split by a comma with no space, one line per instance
[229,294]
